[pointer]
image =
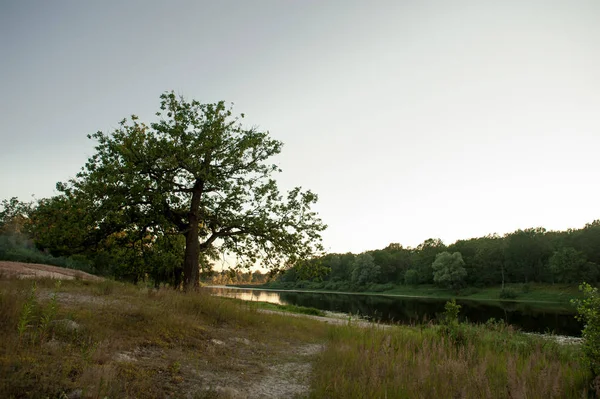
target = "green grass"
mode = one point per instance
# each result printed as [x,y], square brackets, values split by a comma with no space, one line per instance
[533,293]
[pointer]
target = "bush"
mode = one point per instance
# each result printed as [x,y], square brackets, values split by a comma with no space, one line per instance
[380,287]
[588,310]
[451,312]
[526,288]
[411,277]
[507,293]
[458,333]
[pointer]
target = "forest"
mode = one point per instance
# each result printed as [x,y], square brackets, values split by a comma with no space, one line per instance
[533,255]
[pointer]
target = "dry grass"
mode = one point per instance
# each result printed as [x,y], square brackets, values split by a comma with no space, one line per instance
[116,340]
[406,362]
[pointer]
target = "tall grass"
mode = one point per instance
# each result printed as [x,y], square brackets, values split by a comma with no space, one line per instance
[411,362]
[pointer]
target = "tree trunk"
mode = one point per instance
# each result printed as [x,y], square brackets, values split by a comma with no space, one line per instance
[191,276]
[191,266]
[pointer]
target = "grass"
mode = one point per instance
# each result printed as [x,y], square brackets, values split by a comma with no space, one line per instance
[108,339]
[531,293]
[289,308]
[124,341]
[405,362]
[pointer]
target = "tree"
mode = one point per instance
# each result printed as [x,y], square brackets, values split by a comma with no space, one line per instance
[526,254]
[449,270]
[411,277]
[365,270]
[423,257]
[566,264]
[199,172]
[14,216]
[588,311]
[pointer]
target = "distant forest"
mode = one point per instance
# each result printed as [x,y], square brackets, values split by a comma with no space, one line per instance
[524,256]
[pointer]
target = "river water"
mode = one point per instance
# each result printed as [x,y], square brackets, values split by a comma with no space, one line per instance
[529,317]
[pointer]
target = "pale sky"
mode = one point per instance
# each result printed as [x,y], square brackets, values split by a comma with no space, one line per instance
[410,119]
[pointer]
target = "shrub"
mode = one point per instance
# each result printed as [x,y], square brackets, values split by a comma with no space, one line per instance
[380,287]
[451,327]
[507,293]
[588,310]
[451,313]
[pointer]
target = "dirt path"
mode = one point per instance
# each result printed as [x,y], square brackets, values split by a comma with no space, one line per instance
[35,270]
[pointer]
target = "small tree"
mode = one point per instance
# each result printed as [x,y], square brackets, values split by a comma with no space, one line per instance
[588,310]
[451,313]
[449,270]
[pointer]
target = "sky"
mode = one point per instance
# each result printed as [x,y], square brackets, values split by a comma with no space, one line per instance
[410,119]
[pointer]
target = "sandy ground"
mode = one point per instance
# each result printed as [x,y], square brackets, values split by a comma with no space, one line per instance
[34,270]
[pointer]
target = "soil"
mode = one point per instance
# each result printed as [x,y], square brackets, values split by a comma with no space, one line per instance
[35,270]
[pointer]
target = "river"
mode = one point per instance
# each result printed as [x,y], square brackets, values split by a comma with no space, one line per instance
[529,317]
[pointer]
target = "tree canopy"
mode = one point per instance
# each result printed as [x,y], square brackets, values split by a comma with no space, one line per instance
[196,172]
[449,270]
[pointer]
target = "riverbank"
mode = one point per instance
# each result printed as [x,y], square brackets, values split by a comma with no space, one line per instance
[108,339]
[532,293]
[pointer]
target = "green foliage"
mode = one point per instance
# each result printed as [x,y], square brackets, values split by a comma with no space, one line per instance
[508,293]
[526,255]
[588,310]
[411,277]
[26,316]
[364,270]
[48,315]
[449,270]
[14,216]
[17,249]
[37,326]
[571,266]
[451,313]
[199,173]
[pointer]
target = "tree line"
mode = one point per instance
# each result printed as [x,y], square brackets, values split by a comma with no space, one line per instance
[523,256]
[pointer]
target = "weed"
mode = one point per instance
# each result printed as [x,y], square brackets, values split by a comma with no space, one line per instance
[48,314]
[26,316]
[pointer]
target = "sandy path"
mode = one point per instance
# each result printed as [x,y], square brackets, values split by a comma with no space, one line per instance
[35,270]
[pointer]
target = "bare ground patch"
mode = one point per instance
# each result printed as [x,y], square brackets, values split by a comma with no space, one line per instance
[35,270]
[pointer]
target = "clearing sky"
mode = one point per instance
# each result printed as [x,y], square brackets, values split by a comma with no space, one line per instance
[411,120]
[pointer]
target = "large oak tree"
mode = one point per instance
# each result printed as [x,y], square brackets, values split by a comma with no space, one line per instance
[198,172]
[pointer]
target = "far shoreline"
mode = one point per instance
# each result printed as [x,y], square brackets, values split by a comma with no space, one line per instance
[482,295]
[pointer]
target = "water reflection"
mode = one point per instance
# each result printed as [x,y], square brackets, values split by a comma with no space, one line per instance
[528,317]
[249,295]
